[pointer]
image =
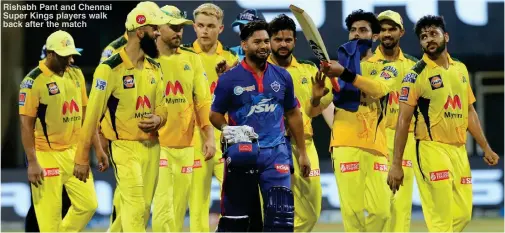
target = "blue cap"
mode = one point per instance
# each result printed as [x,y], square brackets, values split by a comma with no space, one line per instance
[246,17]
[44,52]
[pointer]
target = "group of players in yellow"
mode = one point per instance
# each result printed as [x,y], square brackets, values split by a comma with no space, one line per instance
[148,114]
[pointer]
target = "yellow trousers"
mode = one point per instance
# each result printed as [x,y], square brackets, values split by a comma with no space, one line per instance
[58,169]
[401,201]
[444,179]
[173,190]
[199,197]
[307,191]
[361,181]
[136,167]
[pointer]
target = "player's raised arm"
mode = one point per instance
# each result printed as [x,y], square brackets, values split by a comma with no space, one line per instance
[101,90]
[320,99]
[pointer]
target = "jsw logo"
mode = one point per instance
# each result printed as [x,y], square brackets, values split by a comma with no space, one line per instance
[262,106]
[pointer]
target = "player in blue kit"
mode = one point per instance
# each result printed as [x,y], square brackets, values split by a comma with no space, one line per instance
[257,96]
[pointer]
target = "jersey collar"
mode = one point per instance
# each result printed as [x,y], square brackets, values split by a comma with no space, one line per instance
[198,49]
[250,69]
[379,56]
[45,70]
[432,64]
[128,63]
[294,62]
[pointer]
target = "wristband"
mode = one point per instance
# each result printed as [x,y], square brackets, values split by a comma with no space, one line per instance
[348,76]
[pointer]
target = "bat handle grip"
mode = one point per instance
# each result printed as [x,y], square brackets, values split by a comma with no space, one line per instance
[335,85]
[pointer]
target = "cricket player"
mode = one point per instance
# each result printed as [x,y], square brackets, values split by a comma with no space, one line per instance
[242,19]
[208,25]
[437,92]
[307,190]
[257,95]
[389,51]
[128,93]
[188,99]
[52,102]
[358,143]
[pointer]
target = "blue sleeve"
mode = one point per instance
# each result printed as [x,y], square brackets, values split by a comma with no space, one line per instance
[221,98]
[289,96]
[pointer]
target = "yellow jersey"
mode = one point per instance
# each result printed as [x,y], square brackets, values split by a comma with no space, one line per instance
[187,94]
[441,97]
[301,72]
[114,47]
[209,64]
[403,65]
[121,95]
[364,128]
[56,102]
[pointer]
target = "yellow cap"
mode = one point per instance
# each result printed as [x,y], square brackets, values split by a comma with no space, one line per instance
[175,16]
[148,5]
[142,16]
[391,15]
[62,43]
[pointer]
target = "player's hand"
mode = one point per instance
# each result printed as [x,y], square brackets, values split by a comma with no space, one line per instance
[332,68]
[150,123]
[304,163]
[209,149]
[104,142]
[318,87]
[35,173]
[395,178]
[81,172]
[222,67]
[490,157]
[103,161]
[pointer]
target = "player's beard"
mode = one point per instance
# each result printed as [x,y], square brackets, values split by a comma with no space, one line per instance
[437,52]
[282,57]
[390,45]
[148,45]
[259,59]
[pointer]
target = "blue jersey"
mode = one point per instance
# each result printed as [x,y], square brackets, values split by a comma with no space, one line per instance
[239,51]
[259,102]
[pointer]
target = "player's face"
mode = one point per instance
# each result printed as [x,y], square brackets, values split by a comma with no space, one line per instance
[282,43]
[171,35]
[148,35]
[390,34]
[257,47]
[207,29]
[360,30]
[433,40]
[59,63]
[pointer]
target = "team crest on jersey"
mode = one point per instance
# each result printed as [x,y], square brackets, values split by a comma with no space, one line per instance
[304,80]
[128,82]
[107,53]
[28,83]
[100,84]
[53,88]
[186,67]
[77,84]
[404,95]
[275,86]
[410,78]
[374,72]
[436,82]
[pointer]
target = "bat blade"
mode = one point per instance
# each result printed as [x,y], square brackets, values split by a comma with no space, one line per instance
[311,33]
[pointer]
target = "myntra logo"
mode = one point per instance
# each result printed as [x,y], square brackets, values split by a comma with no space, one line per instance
[143,102]
[453,102]
[69,107]
[393,97]
[173,88]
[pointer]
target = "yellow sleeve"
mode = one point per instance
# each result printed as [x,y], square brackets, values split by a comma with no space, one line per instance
[378,86]
[201,93]
[101,90]
[84,93]
[106,53]
[160,106]
[232,59]
[471,96]
[411,89]
[29,96]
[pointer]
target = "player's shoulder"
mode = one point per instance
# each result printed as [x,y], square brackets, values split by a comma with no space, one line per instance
[188,46]
[30,78]
[419,67]
[230,51]
[112,62]
[280,71]
[187,50]
[153,62]
[410,58]
[307,63]
[118,43]
[34,73]
[459,63]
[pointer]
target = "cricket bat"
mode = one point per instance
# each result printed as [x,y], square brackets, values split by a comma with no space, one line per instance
[313,38]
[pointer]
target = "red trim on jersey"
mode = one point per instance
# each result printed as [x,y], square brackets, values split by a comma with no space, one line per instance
[259,80]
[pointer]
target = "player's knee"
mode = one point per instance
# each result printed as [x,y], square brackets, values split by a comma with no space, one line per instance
[279,210]
[383,214]
[460,221]
[90,206]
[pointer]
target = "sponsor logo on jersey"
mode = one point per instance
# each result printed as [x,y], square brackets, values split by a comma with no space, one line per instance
[436,82]
[404,95]
[238,90]
[452,103]
[144,104]
[213,87]
[315,172]
[53,88]
[172,89]
[407,163]
[439,175]
[51,172]
[187,170]
[262,106]
[380,167]
[128,82]
[349,167]
[28,83]
[466,180]
[22,98]
[304,80]
[245,148]
[410,78]
[393,97]
[282,168]
[163,163]
[197,164]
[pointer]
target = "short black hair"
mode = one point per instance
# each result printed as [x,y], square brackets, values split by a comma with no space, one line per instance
[281,22]
[360,14]
[251,27]
[428,21]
